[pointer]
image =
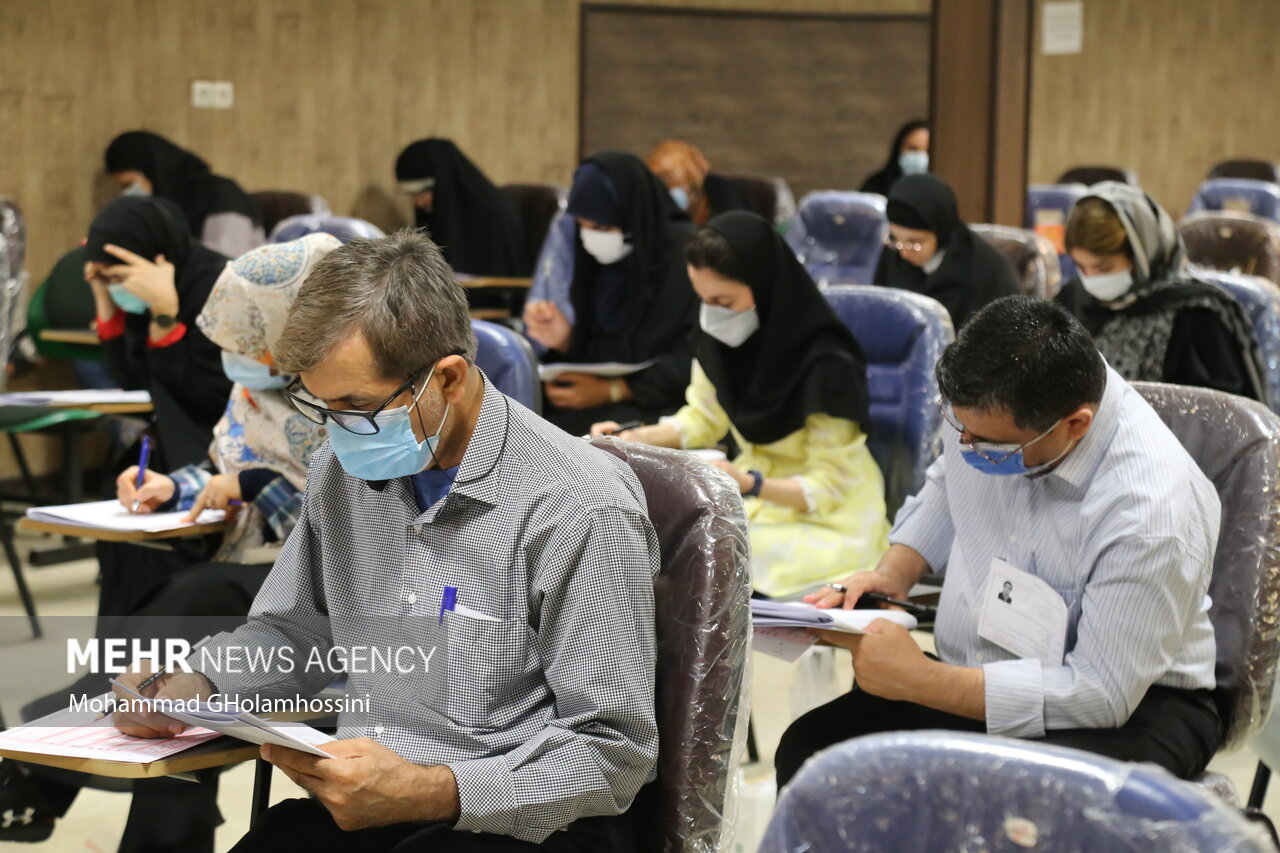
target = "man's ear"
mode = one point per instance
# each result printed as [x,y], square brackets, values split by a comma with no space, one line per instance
[1078,422]
[454,369]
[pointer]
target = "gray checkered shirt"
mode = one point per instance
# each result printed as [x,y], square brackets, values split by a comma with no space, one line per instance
[545,711]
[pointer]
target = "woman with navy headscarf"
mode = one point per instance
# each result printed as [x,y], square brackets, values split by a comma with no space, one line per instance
[631,297]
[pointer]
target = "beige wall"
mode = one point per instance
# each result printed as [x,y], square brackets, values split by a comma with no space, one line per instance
[1165,87]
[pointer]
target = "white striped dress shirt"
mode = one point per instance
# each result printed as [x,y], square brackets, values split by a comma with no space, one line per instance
[1124,529]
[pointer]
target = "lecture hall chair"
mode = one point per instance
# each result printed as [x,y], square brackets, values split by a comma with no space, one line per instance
[1089,175]
[902,335]
[1233,242]
[509,361]
[278,205]
[536,205]
[1241,195]
[1034,257]
[553,272]
[1236,443]
[769,197]
[1254,170]
[937,790]
[1260,299]
[839,235]
[345,228]
[1048,209]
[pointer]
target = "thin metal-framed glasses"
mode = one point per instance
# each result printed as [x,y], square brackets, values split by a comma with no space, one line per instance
[899,245]
[949,415]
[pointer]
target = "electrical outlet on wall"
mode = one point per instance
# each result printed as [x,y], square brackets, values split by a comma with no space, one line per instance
[202,94]
[224,95]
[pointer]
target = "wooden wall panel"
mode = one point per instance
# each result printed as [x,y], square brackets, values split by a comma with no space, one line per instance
[1166,87]
[812,98]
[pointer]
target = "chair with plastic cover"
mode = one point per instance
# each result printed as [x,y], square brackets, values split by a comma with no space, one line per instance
[1253,170]
[13,273]
[1048,209]
[278,205]
[1089,175]
[938,790]
[510,363]
[536,205]
[1236,443]
[769,197]
[345,228]
[702,599]
[553,273]
[1239,195]
[902,335]
[839,235]
[1033,256]
[1260,299]
[1233,242]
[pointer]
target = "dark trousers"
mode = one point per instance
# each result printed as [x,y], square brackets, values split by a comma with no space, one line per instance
[1178,729]
[306,825]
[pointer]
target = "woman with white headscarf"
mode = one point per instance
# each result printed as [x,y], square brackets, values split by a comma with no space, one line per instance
[1152,320]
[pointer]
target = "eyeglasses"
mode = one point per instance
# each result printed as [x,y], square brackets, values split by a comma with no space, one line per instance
[898,245]
[352,420]
[949,415]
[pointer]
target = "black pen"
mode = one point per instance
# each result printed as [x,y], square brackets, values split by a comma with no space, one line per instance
[909,606]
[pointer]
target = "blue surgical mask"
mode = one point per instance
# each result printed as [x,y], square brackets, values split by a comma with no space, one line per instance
[135,189]
[251,373]
[393,451]
[913,162]
[681,197]
[126,301]
[1008,457]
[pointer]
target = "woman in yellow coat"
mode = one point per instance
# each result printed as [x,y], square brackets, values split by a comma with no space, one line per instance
[777,371]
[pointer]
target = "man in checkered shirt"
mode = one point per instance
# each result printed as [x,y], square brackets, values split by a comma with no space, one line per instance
[442,516]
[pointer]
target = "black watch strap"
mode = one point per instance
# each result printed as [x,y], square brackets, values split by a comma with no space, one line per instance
[754,491]
[164,321]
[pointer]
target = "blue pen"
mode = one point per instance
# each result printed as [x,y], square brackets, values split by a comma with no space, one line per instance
[142,468]
[448,601]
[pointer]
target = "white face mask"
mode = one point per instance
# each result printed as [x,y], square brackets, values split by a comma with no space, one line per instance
[135,189]
[729,327]
[607,247]
[913,162]
[1109,287]
[931,265]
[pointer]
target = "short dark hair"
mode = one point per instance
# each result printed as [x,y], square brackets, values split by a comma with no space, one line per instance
[397,291]
[1024,356]
[709,250]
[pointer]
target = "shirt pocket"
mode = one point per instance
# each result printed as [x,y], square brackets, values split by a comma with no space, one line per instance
[488,665]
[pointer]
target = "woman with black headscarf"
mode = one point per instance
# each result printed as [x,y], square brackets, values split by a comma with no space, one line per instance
[631,298]
[217,211]
[909,155]
[1151,319]
[931,251]
[475,224]
[777,370]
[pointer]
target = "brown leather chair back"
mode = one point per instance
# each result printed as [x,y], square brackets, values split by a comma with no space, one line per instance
[1250,170]
[1236,443]
[536,205]
[1033,257]
[1233,241]
[703,604]
[278,205]
[1090,175]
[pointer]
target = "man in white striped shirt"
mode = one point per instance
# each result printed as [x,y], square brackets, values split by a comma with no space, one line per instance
[1104,506]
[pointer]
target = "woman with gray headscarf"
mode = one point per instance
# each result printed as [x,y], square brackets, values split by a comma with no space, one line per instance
[1151,319]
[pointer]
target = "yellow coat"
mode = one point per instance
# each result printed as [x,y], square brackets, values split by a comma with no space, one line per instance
[845,528]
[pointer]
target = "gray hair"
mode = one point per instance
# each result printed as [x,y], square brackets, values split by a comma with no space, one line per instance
[398,292]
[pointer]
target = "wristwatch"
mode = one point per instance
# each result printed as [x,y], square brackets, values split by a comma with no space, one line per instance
[615,391]
[754,491]
[164,321]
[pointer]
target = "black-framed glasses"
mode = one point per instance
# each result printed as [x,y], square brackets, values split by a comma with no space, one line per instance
[1000,452]
[352,420]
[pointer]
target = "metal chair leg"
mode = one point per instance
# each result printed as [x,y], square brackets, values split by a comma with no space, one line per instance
[1258,793]
[27,480]
[261,790]
[11,552]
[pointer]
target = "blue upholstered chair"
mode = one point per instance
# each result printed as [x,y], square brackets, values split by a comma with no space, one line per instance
[1261,301]
[1261,198]
[1048,208]
[345,228]
[1033,257]
[507,359]
[903,335]
[838,235]
[938,790]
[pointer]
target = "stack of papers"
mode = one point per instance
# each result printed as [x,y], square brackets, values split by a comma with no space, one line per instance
[112,515]
[242,725]
[782,627]
[86,397]
[81,734]
[606,370]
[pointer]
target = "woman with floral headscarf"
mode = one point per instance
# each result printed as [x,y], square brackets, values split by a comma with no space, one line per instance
[1152,320]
